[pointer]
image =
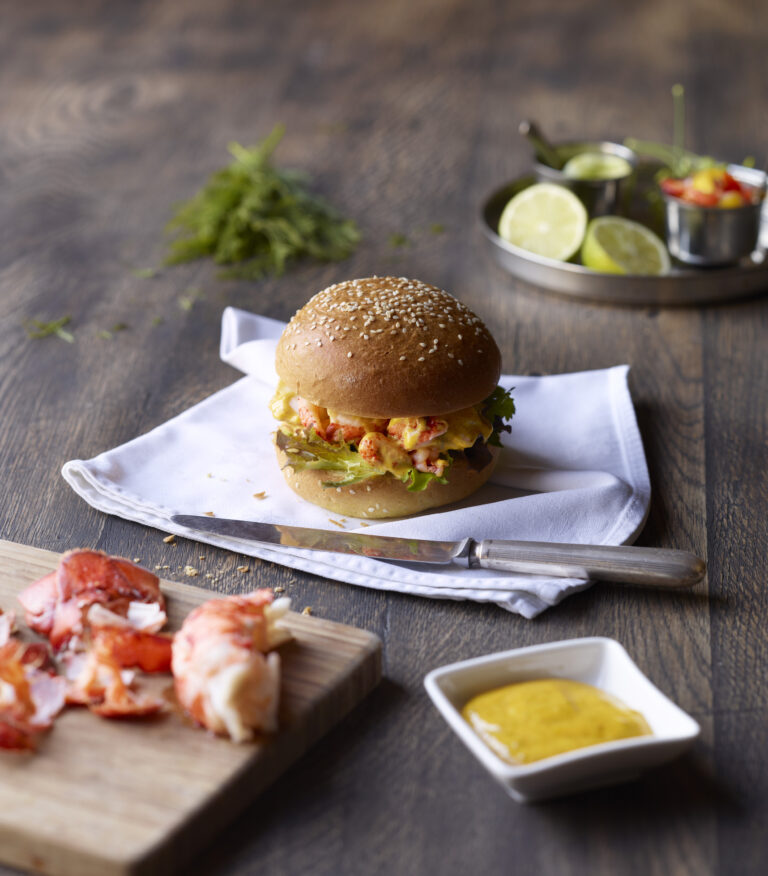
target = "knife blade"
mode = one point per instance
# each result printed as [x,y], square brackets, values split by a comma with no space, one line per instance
[618,564]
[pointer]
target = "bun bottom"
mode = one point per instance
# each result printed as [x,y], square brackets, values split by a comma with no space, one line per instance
[384,496]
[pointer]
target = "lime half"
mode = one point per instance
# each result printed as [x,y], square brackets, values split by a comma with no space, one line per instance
[597,166]
[545,219]
[619,246]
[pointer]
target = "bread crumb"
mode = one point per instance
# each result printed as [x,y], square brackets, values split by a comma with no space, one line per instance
[170,539]
[279,589]
[201,558]
[338,523]
[307,609]
[243,569]
[137,559]
[209,513]
[364,524]
[191,572]
[261,495]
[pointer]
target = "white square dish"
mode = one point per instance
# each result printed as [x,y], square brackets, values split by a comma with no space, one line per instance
[600,662]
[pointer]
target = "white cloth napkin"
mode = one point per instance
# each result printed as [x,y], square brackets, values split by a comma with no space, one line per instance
[572,470]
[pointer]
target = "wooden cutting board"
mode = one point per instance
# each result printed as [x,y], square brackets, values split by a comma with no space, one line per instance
[106,797]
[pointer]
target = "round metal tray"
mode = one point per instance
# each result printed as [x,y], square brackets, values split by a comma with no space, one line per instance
[683,285]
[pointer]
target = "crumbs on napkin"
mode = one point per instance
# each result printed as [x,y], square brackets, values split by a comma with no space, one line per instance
[261,495]
[209,513]
[170,539]
[307,609]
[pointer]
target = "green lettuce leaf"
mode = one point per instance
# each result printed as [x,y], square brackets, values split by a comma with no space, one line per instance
[419,480]
[307,450]
[499,407]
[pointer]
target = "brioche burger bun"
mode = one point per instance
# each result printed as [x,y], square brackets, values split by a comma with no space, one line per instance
[388,402]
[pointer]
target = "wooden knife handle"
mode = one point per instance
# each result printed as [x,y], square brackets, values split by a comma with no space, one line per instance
[641,566]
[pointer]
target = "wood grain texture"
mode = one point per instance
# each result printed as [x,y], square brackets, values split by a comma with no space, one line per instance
[406,115]
[158,789]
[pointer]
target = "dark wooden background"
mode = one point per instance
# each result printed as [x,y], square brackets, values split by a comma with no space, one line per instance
[406,115]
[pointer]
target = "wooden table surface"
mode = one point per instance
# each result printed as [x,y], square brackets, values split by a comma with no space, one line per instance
[405,114]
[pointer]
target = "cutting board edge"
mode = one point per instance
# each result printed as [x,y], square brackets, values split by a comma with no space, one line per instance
[232,799]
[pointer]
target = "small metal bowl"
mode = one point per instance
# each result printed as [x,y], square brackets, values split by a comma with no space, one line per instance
[601,197]
[710,236]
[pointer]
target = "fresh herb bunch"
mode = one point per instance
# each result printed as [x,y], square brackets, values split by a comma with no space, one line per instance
[257,218]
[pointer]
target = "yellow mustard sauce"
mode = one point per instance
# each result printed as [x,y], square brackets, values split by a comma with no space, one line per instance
[532,720]
[281,405]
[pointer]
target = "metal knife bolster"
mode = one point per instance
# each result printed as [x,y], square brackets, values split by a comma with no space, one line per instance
[650,567]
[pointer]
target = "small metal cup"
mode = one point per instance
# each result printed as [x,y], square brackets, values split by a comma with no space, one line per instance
[709,236]
[601,197]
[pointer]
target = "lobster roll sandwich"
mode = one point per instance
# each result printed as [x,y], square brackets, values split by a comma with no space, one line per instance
[388,402]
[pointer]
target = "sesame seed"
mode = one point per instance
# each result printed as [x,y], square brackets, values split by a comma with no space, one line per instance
[349,354]
[421,358]
[402,358]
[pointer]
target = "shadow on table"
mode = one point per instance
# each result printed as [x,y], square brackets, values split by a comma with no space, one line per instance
[684,788]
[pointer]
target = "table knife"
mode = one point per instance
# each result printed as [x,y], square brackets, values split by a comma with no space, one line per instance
[641,566]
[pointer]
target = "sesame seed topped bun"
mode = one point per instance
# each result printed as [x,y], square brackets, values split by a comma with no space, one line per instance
[388,401]
[388,347]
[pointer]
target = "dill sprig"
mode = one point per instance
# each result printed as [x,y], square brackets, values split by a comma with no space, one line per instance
[257,218]
[37,328]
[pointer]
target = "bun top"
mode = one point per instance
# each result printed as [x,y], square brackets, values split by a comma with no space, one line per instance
[388,347]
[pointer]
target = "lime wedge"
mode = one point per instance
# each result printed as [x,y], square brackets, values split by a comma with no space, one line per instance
[597,166]
[545,219]
[619,246]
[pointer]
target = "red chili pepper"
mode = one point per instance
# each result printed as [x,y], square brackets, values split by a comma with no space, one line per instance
[674,187]
[702,199]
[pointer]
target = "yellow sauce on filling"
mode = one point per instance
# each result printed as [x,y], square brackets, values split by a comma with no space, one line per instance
[532,720]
